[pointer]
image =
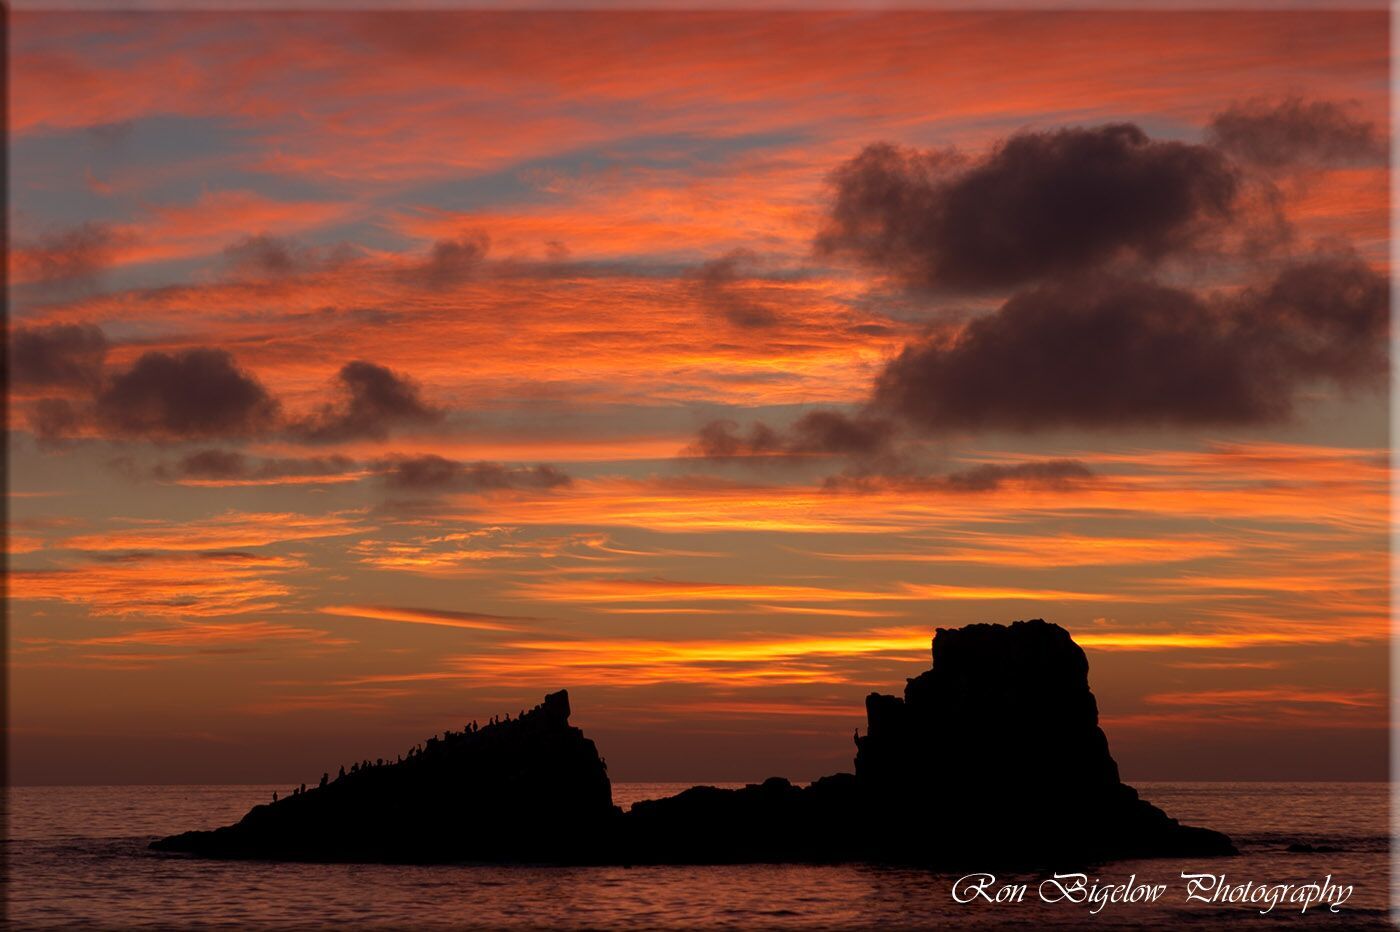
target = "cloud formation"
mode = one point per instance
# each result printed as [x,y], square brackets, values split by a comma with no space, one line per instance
[815,433]
[57,356]
[452,260]
[435,473]
[1095,334]
[199,393]
[1278,133]
[989,477]
[717,286]
[218,466]
[189,395]
[1058,475]
[1102,351]
[1038,204]
[53,420]
[264,257]
[374,400]
[69,255]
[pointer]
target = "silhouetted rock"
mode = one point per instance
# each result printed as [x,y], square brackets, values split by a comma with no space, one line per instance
[996,754]
[529,789]
[992,758]
[771,821]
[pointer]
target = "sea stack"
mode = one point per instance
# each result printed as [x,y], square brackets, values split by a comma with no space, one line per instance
[993,758]
[996,754]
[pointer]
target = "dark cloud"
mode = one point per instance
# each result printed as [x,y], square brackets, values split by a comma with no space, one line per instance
[1040,204]
[833,432]
[1052,475]
[70,255]
[989,477]
[1327,318]
[1102,351]
[454,260]
[264,257]
[216,465]
[190,395]
[871,330]
[374,401]
[1279,133]
[202,394]
[718,287]
[208,464]
[53,420]
[815,433]
[435,473]
[57,356]
[723,439]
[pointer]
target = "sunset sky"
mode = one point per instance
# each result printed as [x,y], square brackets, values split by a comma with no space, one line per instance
[371,374]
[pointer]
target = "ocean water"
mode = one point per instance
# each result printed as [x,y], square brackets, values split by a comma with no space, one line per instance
[76,858]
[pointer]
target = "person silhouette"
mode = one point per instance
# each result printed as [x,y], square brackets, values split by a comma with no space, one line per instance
[325,778]
[274,796]
[342,772]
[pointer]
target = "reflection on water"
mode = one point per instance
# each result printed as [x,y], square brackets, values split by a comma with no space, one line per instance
[77,857]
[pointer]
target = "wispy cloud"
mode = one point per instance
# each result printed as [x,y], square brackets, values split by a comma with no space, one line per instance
[423,616]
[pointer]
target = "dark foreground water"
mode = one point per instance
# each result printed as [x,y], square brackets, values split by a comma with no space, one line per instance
[77,858]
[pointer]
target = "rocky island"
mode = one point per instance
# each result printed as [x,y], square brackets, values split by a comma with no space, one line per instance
[994,757]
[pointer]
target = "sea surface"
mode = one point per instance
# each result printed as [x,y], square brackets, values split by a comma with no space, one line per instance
[77,858]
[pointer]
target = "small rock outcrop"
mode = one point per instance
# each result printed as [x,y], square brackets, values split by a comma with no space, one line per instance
[773,821]
[994,757]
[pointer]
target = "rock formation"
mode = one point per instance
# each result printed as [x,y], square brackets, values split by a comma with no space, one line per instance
[529,789]
[992,758]
[997,752]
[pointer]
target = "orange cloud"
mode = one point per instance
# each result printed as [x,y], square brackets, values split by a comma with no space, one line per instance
[1050,550]
[207,633]
[1272,707]
[461,552]
[1362,698]
[633,662]
[423,616]
[174,585]
[229,531]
